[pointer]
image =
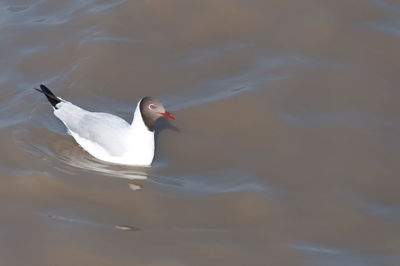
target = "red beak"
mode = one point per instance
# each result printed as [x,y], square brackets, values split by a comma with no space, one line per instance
[168,114]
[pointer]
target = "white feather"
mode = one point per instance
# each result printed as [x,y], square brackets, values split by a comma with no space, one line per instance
[108,137]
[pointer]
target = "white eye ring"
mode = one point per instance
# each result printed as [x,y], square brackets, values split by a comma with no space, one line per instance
[152,106]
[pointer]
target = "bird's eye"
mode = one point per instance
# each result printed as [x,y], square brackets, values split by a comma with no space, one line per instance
[152,106]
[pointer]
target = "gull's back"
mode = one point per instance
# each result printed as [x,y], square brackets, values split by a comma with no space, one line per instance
[93,129]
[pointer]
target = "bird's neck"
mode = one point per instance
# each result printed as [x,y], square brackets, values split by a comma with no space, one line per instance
[138,124]
[141,139]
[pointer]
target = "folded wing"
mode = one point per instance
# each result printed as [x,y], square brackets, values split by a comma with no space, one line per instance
[106,130]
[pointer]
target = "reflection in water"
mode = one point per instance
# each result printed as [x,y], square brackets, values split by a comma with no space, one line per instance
[391,26]
[379,209]
[74,220]
[92,223]
[69,159]
[78,158]
[127,228]
[323,255]
[135,187]
[316,248]
[391,7]
[63,154]
[83,160]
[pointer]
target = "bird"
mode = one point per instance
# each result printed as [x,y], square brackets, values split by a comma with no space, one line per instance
[108,137]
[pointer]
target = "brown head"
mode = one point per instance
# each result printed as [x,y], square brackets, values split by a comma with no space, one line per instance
[151,110]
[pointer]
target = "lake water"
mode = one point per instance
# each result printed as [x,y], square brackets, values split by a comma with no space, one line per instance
[285,150]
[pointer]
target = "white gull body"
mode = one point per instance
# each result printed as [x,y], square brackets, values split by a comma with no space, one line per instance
[108,137]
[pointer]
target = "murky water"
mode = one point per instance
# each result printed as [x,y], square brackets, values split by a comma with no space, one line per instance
[285,150]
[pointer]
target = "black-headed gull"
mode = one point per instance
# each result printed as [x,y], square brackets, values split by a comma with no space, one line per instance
[109,137]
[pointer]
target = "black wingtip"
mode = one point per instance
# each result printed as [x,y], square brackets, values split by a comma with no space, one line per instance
[43,87]
[49,95]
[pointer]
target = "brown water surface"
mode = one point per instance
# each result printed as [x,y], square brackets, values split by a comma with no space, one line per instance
[285,150]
